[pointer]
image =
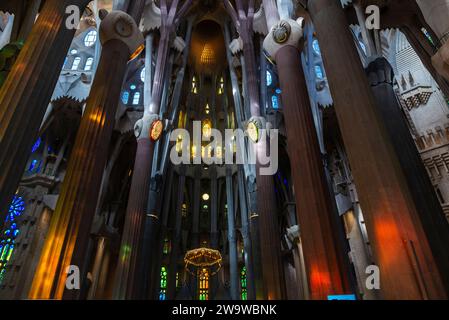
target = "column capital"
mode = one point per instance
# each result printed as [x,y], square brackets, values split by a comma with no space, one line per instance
[118,25]
[286,32]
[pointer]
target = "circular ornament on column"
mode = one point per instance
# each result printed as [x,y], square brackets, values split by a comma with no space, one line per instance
[253,129]
[124,26]
[281,31]
[156,130]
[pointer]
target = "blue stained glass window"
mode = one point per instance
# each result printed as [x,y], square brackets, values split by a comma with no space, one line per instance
[274,102]
[125,97]
[316,47]
[35,165]
[133,87]
[16,209]
[362,45]
[36,145]
[278,91]
[319,72]
[269,78]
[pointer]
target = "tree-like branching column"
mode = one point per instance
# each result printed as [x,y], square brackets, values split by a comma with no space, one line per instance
[263,206]
[127,283]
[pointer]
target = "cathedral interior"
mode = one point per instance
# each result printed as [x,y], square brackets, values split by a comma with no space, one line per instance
[350,98]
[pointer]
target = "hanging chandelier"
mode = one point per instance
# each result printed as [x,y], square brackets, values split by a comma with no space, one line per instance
[203,258]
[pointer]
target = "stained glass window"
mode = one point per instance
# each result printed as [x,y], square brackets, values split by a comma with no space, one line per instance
[89,63]
[136,98]
[274,102]
[221,87]
[269,78]
[319,72]
[194,88]
[11,232]
[125,97]
[35,166]
[244,292]
[163,286]
[36,145]
[76,63]
[316,46]
[428,36]
[91,38]
[166,248]
[203,284]
[362,45]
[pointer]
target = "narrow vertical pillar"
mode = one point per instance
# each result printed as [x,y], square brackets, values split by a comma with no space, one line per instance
[69,231]
[30,19]
[213,207]
[399,246]
[128,282]
[24,97]
[196,207]
[176,239]
[263,203]
[232,237]
[246,234]
[127,285]
[247,181]
[97,266]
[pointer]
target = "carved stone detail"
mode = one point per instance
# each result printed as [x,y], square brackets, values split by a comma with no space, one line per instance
[286,32]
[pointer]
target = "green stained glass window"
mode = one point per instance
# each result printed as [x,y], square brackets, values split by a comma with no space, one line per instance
[163,286]
[244,292]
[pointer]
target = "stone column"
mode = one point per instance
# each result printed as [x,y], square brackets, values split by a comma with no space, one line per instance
[176,239]
[127,284]
[232,237]
[213,207]
[399,245]
[24,97]
[322,250]
[381,77]
[263,203]
[246,234]
[69,231]
[196,207]
[96,269]
[29,19]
